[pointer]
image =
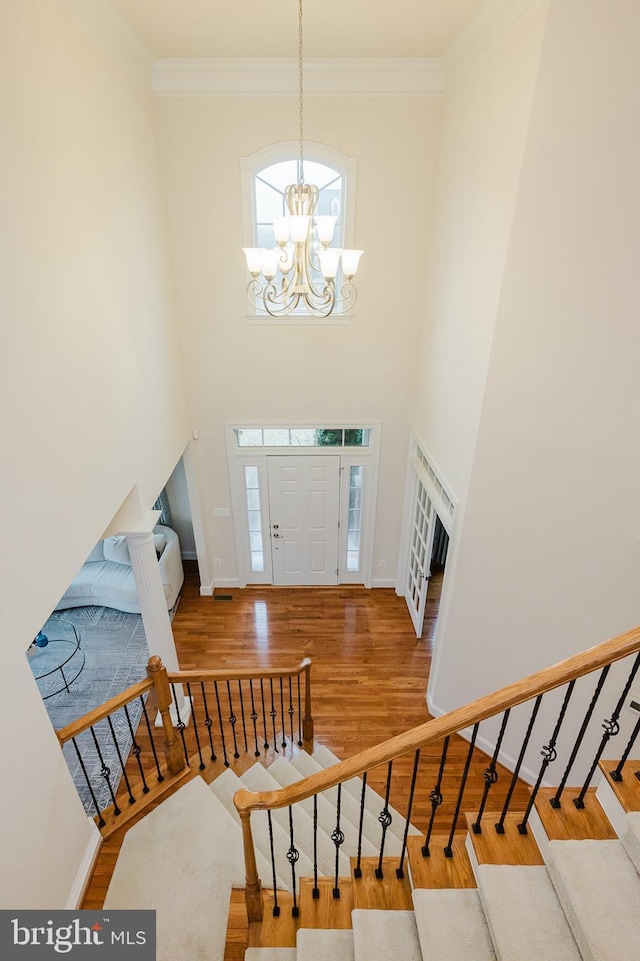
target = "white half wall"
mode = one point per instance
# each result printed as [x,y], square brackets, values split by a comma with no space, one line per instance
[92,400]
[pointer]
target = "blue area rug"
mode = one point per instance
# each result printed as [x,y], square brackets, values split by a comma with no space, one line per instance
[115,657]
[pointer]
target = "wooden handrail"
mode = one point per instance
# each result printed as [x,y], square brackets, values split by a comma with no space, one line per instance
[100,713]
[479,710]
[247,674]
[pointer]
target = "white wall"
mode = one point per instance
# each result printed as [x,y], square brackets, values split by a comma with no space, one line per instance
[484,124]
[91,391]
[549,558]
[240,372]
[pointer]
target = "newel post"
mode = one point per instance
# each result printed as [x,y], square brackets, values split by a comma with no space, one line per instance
[307,721]
[253,885]
[172,752]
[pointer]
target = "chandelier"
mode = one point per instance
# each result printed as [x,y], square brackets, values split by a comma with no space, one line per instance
[303,271]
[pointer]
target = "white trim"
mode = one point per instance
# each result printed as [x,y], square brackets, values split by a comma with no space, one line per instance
[227,582]
[279,77]
[206,590]
[111,28]
[382,582]
[493,19]
[83,874]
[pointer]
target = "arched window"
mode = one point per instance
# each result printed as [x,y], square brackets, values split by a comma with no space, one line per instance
[268,172]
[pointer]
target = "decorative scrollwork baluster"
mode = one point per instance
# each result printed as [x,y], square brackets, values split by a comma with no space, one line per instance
[254,718]
[555,800]
[180,725]
[316,890]
[232,722]
[105,772]
[132,800]
[202,765]
[385,820]
[283,743]
[208,721]
[264,716]
[549,755]
[221,725]
[436,799]
[137,750]
[490,775]
[611,729]
[273,714]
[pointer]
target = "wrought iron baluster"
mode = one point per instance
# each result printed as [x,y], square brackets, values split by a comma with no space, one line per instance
[136,750]
[221,725]
[244,726]
[132,800]
[202,765]
[316,890]
[292,857]
[300,741]
[416,762]
[105,772]
[264,716]
[555,800]
[101,820]
[232,722]
[254,718]
[490,775]
[273,714]
[180,725]
[337,837]
[290,711]
[611,729]
[284,736]
[534,713]
[208,721]
[276,908]
[436,798]
[448,851]
[549,754]
[357,871]
[385,820]
[617,774]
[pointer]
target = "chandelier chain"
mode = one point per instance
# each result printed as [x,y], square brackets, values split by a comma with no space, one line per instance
[300,97]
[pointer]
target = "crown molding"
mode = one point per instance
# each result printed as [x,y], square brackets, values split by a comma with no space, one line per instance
[279,78]
[110,27]
[494,19]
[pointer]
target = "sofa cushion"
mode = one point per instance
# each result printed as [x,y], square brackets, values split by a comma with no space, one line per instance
[159,542]
[116,550]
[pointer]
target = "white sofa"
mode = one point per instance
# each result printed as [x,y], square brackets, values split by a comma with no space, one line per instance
[106,577]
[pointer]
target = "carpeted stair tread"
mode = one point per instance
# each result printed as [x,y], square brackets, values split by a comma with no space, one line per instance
[223,788]
[323,758]
[318,945]
[385,935]
[451,925]
[285,773]
[631,837]
[524,915]
[270,954]
[181,860]
[599,889]
[258,778]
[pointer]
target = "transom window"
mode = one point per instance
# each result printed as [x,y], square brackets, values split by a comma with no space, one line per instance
[270,184]
[302,436]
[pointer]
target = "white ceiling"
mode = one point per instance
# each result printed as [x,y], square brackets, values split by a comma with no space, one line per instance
[269,28]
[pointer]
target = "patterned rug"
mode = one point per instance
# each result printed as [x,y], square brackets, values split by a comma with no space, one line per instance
[115,657]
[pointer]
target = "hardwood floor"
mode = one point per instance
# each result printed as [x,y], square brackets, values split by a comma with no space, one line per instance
[369,679]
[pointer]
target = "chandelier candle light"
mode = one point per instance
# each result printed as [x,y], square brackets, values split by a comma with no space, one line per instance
[303,270]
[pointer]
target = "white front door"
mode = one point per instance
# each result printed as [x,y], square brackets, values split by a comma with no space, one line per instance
[420,547]
[304,503]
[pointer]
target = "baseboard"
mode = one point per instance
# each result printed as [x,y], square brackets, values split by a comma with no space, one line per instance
[206,590]
[383,582]
[226,582]
[489,747]
[83,875]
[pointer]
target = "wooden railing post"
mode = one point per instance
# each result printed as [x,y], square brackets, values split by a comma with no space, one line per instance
[172,751]
[307,721]
[253,885]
